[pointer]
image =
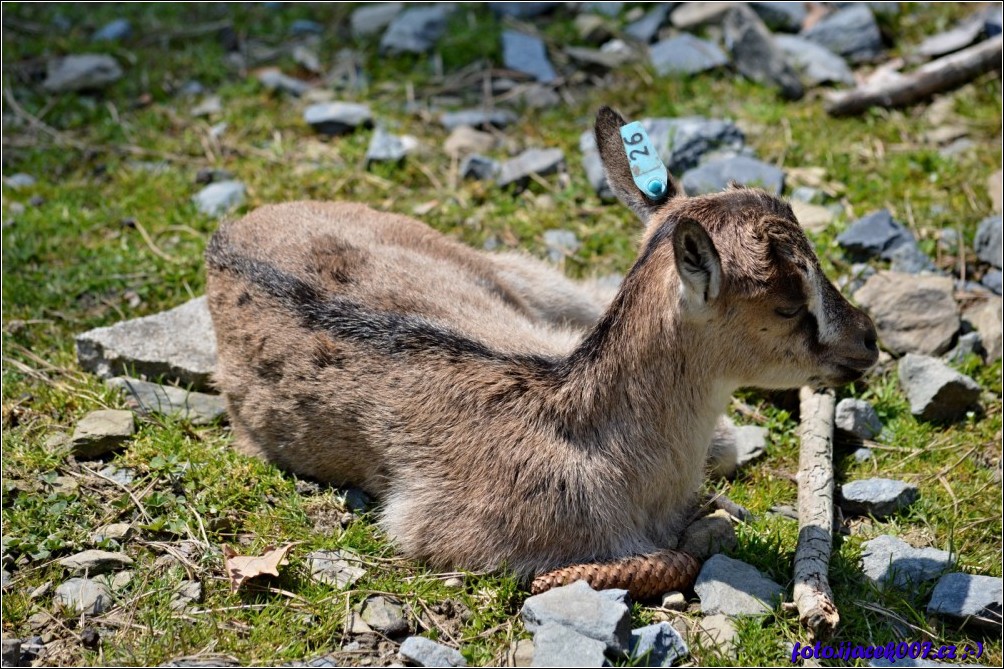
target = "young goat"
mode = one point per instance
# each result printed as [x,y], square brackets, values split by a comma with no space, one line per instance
[364,348]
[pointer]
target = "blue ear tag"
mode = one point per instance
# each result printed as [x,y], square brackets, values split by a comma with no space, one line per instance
[647,169]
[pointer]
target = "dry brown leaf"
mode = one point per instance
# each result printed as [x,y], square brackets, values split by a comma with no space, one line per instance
[242,567]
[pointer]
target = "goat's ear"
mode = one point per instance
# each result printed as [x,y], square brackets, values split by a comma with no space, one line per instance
[697,262]
[618,169]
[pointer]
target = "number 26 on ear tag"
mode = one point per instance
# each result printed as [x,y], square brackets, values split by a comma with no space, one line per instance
[647,169]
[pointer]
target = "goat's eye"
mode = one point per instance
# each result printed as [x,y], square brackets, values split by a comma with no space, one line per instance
[790,312]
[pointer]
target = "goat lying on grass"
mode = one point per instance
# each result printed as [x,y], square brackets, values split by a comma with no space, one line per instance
[461,388]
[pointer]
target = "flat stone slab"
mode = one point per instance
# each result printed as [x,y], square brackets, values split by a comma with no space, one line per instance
[527,54]
[889,560]
[147,398]
[987,317]
[683,142]
[559,646]
[385,147]
[83,595]
[715,175]
[658,645]
[709,535]
[384,615]
[178,344]
[372,18]
[851,32]
[95,562]
[218,198]
[814,63]
[875,235]
[338,118]
[338,568]
[532,161]
[732,587]
[877,497]
[415,30]
[588,612]
[89,71]
[101,431]
[936,391]
[913,314]
[976,600]
[756,55]
[477,118]
[427,653]
[686,54]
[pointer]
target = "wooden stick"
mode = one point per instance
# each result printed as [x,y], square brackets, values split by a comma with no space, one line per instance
[812,595]
[937,76]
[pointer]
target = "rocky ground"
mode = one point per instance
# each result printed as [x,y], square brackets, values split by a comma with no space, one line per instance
[133,535]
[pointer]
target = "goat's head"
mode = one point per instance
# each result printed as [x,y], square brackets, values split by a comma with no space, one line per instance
[747,277]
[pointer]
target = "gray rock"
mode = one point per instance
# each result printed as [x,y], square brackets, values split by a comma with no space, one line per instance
[709,535]
[19,181]
[579,607]
[337,118]
[427,653]
[913,313]
[178,344]
[994,280]
[464,140]
[387,148]
[862,454]
[328,661]
[604,8]
[522,10]
[736,446]
[715,175]
[477,118]
[274,79]
[694,14]
[101,431]
[647,27]
[658,645]
[874,235]
[674,601]
[889,560]
[814,63]
[734,588]
[115,31]
[527,54]
[936,391]
[5,580]
[783,16]
[210,105]
[88,71]
[968,344]
[877,497]
[909,259]
[556,645]
[115,531]
[83,595]
[532,161]
[683,142]
[384,615]
[857,417]
[971,599]
[919,662]
[595,174]
[339,568]
[962,35]
[218,198]
[988,242]
[755,54]
[95,561]
[145,397]
[479,167]
[122,475]
[716,631]
[11,654]
[685,54]
[415,30]
[187,593]
[992,21]
[850,32]
[986,316]
[372,18]
[598,58]
[561,243]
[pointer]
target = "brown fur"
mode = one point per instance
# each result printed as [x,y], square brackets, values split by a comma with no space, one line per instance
[462,389]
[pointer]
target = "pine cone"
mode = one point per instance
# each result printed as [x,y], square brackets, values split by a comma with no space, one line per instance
[643,576]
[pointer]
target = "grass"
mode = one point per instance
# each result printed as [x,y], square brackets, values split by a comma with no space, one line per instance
[109,232]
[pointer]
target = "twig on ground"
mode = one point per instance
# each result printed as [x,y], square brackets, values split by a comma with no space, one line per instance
[812,593]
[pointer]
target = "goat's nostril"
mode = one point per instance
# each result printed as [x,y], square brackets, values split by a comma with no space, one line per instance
[871,343]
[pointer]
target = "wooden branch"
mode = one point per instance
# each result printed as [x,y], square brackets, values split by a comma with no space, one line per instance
[937,76]
[812,595]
